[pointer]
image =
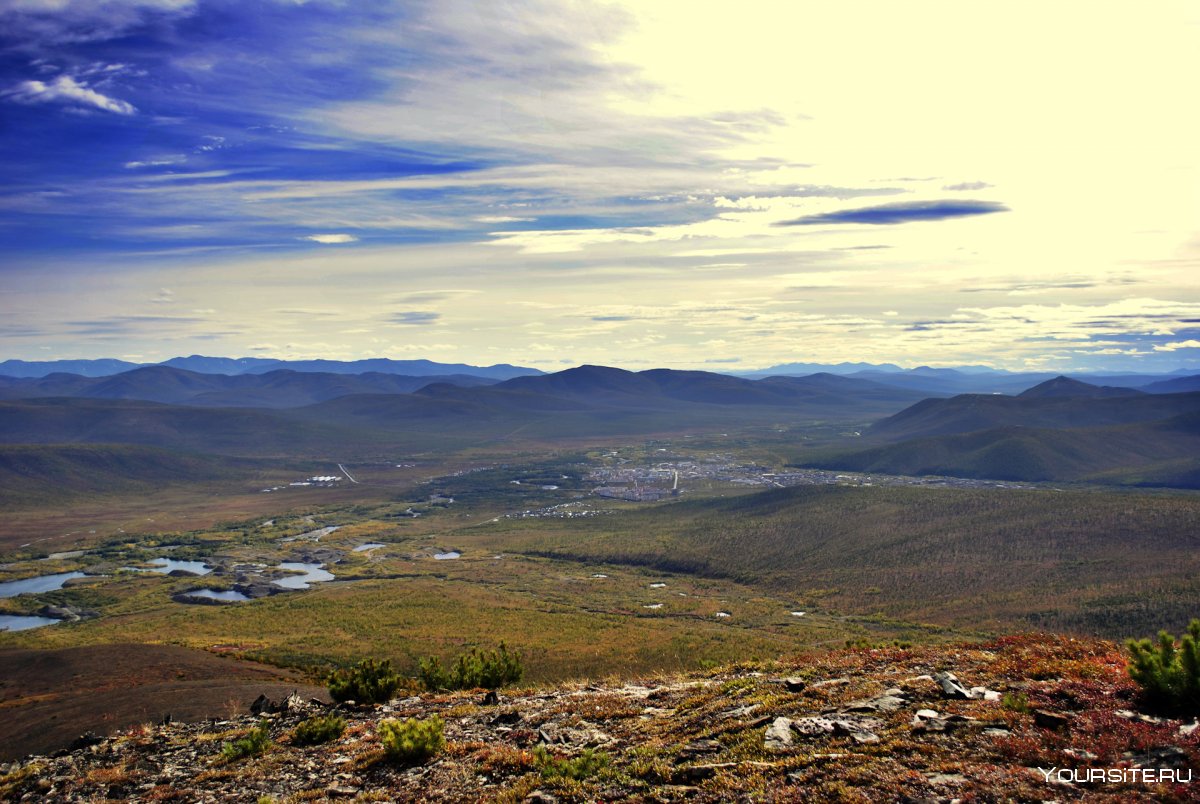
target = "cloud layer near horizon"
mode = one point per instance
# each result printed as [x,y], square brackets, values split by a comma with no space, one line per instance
[642,184]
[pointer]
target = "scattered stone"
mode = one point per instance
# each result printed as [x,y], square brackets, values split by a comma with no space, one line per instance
[540,797]
[829,682]
[1129,714]
[1186,729]
[703,748]
[510,718]
[1079,753]
[984,694]
[941,779]
[1171,756]
[779,735]
[741,711]
[794,684]
[927,720]
[86,740]
[584,735]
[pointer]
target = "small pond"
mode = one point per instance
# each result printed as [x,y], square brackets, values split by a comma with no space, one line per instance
[312,574]
[218,594]
[168,565]
[42,583]
[447,556]
[17,622]
[362,548]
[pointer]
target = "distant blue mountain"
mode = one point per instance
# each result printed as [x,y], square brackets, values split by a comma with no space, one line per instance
[804,369]
[85,368]
[259,365]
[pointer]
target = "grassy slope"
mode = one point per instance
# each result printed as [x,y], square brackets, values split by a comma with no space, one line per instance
[43,473]
[1114,564]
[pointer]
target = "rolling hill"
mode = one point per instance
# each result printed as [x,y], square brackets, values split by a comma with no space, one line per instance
[1044,406]
[1163,453]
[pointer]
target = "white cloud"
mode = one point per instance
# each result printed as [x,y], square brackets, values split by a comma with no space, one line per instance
[66,89]
[329,239]
[161,161]
[1171,347]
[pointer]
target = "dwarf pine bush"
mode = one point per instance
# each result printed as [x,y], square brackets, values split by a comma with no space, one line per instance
[490,669]
[412,739]
[1169,673]
[318,729]
[254,742]
[367,682]
[589,763]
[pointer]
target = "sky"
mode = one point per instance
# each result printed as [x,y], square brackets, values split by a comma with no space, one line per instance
[723,186]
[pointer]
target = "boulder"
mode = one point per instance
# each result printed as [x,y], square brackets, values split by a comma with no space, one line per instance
[950,686]
[779,735]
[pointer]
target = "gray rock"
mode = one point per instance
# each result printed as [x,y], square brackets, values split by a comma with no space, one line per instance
[861,729]
[950,686]
[881,703]
[779,735]
[795,684]
[705,747]
[927,720]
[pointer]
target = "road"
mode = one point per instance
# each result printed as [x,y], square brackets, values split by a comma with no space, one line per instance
[347,474]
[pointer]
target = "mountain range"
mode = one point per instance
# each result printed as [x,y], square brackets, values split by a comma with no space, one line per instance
[1060,429]
[258,365]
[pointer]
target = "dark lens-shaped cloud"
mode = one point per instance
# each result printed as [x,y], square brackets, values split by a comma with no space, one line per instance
[414,317]
[901,212]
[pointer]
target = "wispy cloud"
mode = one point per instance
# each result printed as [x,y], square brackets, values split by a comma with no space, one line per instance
[331,239]
[67,90]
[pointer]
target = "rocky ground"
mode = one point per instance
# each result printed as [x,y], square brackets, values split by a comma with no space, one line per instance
[1030,718]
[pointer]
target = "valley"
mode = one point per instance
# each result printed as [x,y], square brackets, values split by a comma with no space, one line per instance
[601,523]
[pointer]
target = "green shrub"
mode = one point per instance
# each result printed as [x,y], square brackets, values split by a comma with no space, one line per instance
[411,739]
[319,729]
[488,669]
[589,763]
[367,682]
[255,742]
[1016,702]
[1169,674]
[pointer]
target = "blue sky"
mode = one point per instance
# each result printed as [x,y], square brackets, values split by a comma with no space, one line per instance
[640,184]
